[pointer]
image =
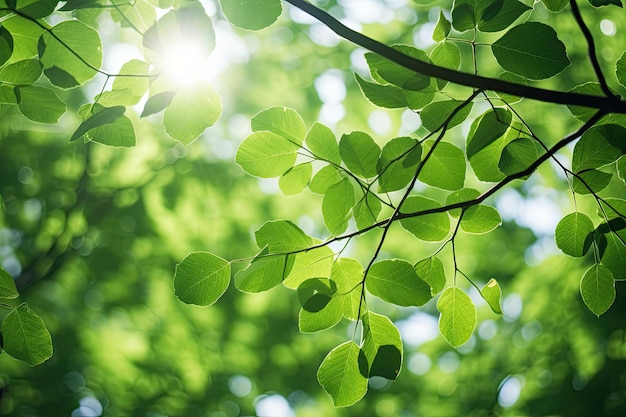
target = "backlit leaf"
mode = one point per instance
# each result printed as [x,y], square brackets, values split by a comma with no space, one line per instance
[431,271]
[360,153]
[24,72]
[39,104]
[25,336]
[157,103]
[395,281]
[599,146]
[574,234]
[555,5]
[265,272]
[517,156]
[461,196]
[325,318]
[458,316]
[446,55]
[251,14]
[337,206]
[283,121]
[397,164]
[532,50]
[322,142]
[366,211]
[591,181]
[382,346]
[282,236]
[342,374]
[480,219]
[266,154]
[500,14]
[102,116]
[486,129]
[323,179]
[492,294]
[7,285]
[314,263]
[442,28]
[597,289]
[387,96]
[435,114]
[445,168]
[432,227]
[396,74]
[296,179]
[620,69]
[201,278]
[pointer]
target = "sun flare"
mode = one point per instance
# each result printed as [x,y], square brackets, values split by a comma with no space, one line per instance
[184,62]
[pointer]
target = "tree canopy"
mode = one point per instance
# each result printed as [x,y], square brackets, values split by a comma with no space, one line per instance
[392,207]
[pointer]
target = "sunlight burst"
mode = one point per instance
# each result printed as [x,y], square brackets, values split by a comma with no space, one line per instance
[184,62]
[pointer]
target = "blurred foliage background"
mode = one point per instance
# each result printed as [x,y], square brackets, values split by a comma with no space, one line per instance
[92,235]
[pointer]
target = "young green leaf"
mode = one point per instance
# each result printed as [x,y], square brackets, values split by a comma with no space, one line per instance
[395,281]
[621,168]
[492,294]
[517,156]
[325,318]
[464,15]
[24,72]
[574,234]
[386,96]
[532,50]
[314,294]
[555,6]
[600,3]
[39,104]
[591,181]
[251,14]
[396,166]
[360,153]
[296,179]
[342,374]
[337,206]
[60,49]
[7,285]
[599,146]
[500,14]
[366,211]
[458,316]
[620,69]
[102,116]
[431,271]
[435,113]
[283,121]
[597,289]
[480,219]
[201,278]
[613,254]
[396,74]
[266,154]
[6,45]
[442,28]
[382,346]
[157,103]
[264,272]
[347,273]
[282,236]
[445,168]
[486,129]
[591,88]
[461,196]
[446,55]
[323,179]
[314,263]
[25,336]
[193,109]
[322,142]
[433,227]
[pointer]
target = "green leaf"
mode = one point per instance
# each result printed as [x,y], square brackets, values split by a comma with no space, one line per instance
[480,219]
[264,272]
[463,15]
[296,179]
[555,6]
[25,34]
[266,154]
[396,74]
[7,94]
[620,69]
[517,156]
[7,285]
[532,50]
[461,196]
[314,263]
[35,9]
[419,99]
[613,253]
[600,3]
[347,273]
[574,234]
[6,45]
[103,116]
[251,14]
[486,129]
[589,88]
[382,346]
[157,103]
[322,142]
[397,164]
[458,316]
[591,181]
[366,211]
[445,168]
[500,14]
[492,294]
[433,227]
[314,294]
[283,121]
[25,336]
[435,114]
[39,104]
[621,168]
[396,282]
[386,96]
[325,318]
[282,236]
[201,278]
[62,65]
[24,72]
[446,55]
[360,153]
[515,79]
[193,109]
[442,28]
[599,146]
[323,179]
[337,206]
[133,87]
[341,374]
[431,271]
[597,289]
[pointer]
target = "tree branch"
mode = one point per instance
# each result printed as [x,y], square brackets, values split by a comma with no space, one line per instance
[609,104]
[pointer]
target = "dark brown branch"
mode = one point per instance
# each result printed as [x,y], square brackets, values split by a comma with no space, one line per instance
[609,104]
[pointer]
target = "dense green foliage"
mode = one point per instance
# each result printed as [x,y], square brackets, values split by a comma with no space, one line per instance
[496,111]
